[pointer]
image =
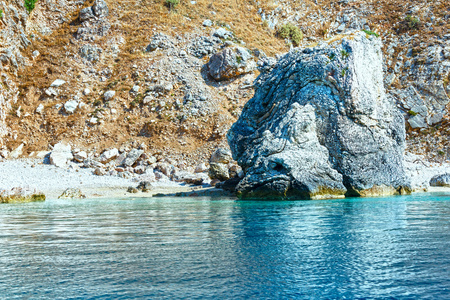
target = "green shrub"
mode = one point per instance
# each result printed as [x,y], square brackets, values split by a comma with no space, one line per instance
[1,13]
[30,4]
[171,4]
[412,22]
[369,32]
[292,32]
[344,54]
[412,113]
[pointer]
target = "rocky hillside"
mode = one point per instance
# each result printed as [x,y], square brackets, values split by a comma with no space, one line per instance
[104,74]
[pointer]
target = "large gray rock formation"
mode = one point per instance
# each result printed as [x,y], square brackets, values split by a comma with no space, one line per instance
[321,126]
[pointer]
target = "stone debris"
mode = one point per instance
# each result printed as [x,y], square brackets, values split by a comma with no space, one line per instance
[109,95]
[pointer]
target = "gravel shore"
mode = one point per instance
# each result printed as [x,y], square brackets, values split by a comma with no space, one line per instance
[52,181]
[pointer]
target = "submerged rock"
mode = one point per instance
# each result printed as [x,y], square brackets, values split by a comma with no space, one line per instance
[321,126]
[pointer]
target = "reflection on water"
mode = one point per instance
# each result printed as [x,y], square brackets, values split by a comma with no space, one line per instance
[189,248]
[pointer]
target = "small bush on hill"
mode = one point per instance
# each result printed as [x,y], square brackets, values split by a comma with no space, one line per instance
[369,32]
[412,22]
[171,4]
[292,32]
[30,4]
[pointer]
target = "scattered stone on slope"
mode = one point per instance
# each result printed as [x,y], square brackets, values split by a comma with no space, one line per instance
[57,83]
[93,21]
[109,155]
[16,153]
[230,63]
[203,45]
[40,109]
[80,156]
[160,41]
[90,53]
[321,125]
[70,106]
[132,157]
[108,95]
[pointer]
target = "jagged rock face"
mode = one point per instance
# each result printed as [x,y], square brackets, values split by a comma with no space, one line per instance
[13,38]
[49,15]
[94,22]
[321,125]
[8,96]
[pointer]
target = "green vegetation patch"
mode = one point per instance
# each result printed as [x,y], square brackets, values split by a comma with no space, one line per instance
[30,4]
[412,22]
[171,4]
[344,54]
[1,13]
[369,32]
[292,32]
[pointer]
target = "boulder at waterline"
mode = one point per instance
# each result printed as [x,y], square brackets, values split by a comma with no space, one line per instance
[441,180]
[72,193]
[320,126]
[21,195]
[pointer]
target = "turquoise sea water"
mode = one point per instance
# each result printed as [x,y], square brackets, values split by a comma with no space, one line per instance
[167,248]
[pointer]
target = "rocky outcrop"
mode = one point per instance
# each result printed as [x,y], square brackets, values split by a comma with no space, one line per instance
[321,126]
[13,38]
[94,21]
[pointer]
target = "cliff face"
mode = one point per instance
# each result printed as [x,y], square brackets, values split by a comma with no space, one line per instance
[13,37]
[320,121]
[13,41]
[156,61]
